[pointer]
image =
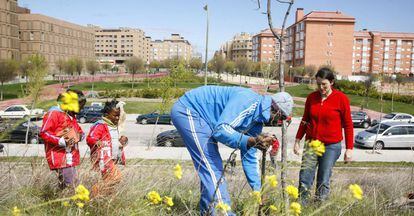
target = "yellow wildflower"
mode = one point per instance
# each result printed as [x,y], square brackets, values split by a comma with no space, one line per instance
[168,201]
[292,191]
[356,190]
[82,193]
[178,171]
[80,205]
[273,209]
[295,208]
[154,197]
[66,204]
[256,195]
[16,211]
[223,207]
[317,146]
[271,180]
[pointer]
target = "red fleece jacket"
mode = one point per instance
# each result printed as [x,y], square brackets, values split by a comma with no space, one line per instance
[324,120]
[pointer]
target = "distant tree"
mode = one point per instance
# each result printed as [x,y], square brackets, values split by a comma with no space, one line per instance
[134,65]
[78,63]
[310,71]
[218,65]
[37,73]
[178,72]
[8,69]
[400,80]
[155,65]
[24,69]
[60,65]
[70,67]
[243,66]
[229,67]
[106,67]
[196,64]
[368,87]
[92,66]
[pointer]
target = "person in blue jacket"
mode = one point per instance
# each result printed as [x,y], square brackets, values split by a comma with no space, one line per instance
[233,116]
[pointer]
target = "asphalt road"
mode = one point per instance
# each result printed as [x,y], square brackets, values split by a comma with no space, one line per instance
[141,136]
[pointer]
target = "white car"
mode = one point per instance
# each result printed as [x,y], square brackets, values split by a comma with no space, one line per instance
[395,117]
[20,111]
[388,134]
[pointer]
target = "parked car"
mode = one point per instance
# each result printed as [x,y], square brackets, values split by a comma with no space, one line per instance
[395,117]
[170,138]
[151,118]
[21,111]
[1,148]
[89,114]
[360,119]
[15,131]
[390,135]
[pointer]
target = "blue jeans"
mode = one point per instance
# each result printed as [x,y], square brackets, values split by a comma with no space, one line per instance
[324,164]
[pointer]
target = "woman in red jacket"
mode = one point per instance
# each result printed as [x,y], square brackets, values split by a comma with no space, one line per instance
[61,134]
[103,137]
[327,111]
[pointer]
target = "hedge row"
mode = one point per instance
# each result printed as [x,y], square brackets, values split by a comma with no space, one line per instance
[142,93]
[357,88]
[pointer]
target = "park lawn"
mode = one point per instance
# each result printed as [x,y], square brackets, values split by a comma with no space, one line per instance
[16,90]
[133,107]
[373,103]
[102,86]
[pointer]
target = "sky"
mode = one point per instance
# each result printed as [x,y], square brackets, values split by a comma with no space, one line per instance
[160,18]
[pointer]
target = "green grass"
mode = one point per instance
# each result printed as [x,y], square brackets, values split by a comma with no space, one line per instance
[102,86]
[13,91]
[373,103]
[145,107]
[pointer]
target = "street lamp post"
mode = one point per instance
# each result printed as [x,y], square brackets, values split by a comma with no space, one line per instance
[290,73]
[205,69]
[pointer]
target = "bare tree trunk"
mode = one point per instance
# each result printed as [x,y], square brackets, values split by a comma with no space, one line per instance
[1,97]
[283,174]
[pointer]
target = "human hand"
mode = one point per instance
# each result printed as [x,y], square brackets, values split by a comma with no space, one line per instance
[348,155]
[262,142]
[296,147]
[123,140]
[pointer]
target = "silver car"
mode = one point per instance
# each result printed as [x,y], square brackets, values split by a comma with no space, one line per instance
[390,135]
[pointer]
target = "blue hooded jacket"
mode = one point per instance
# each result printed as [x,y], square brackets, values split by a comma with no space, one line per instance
[234,114]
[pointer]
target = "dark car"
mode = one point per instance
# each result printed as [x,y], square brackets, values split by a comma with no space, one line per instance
[1,148]
[154,117]
[89,114]
[15,131]
[360,119]
[170,138]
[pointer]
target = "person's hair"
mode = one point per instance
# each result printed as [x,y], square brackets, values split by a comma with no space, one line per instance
[325,73]
[109,105]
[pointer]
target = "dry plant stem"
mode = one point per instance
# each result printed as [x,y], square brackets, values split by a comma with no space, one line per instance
[282,89]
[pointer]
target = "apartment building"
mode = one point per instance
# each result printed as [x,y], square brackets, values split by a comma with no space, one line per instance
[174,47]
[383,52]
[119,44]
[54,39]
[266,48]
[321,38]
[9,30]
